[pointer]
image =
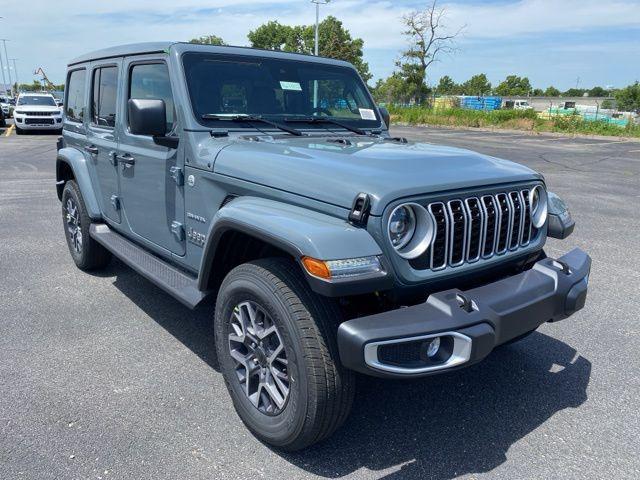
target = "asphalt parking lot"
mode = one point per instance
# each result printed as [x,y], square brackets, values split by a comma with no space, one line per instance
[104,376]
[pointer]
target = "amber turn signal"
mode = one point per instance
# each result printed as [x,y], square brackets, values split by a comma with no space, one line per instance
[317,268]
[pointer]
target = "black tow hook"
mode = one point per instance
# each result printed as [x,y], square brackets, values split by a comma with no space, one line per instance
[465,303]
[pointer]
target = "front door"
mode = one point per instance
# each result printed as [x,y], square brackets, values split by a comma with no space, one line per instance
[151,175]
[102,141]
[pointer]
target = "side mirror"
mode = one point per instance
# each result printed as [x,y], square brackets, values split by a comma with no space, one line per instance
[147,117]
[385,115]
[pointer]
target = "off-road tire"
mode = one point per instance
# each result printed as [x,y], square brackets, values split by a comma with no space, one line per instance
[321,390]
[92,255]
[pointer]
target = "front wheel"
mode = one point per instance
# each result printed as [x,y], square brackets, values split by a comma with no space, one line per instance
[276,344]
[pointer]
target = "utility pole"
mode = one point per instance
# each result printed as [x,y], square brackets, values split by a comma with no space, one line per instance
[316,46]
[15,71]
[318,3]
[6,56]
[4,80]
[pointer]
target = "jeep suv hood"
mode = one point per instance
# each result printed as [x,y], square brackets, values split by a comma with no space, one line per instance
[332,172]
[37,108]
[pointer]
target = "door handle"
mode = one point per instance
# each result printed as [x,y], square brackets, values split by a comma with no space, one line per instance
[92,149]
[126,160]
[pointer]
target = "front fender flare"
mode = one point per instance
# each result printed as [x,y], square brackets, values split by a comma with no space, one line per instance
[78,164]
[295,230]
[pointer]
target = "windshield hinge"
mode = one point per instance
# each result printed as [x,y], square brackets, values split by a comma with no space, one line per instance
[178,230]
[360,210]
[177,175]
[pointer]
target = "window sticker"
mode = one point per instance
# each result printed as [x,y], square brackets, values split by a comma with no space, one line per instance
[367,114]
[295,86]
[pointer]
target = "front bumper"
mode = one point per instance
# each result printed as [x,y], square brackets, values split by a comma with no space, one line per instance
[38,123]
[470,323]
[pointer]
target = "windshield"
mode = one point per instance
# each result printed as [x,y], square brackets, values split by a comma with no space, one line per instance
[228,86]
[37,100]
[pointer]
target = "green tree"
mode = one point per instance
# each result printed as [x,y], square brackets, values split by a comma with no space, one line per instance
[446,86]
[598,92]
[537,92]
[335,41]
[574,92]
[552,91]
[272,36]
[606,104]
[477,85]
[514,85]
[628,98]
[35,86]
[208,40]
[428,41]
[391,90]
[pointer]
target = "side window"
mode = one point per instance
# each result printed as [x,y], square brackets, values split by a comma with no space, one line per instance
[151,81]
[75,95]
[105,92]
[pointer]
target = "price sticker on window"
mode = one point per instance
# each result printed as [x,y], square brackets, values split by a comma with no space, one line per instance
[295,86]
[367,114]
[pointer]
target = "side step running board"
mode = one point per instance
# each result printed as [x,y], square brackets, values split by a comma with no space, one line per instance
[173,281]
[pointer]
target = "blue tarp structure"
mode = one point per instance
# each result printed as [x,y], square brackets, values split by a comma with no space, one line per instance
[481,103]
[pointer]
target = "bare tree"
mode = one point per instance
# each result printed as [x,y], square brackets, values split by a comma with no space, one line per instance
[428,41]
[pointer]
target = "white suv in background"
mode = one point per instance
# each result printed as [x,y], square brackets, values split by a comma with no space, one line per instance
[37,111]
[6,107]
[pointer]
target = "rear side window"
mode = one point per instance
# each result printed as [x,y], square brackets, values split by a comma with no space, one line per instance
[151,81]
[75,92]
[105,92]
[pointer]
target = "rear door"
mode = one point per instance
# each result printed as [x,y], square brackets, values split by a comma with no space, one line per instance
[102,140]
[151,175]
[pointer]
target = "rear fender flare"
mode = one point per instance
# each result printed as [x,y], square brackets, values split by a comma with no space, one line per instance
[78,164]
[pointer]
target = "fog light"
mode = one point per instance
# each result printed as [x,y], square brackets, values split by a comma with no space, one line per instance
[433,347]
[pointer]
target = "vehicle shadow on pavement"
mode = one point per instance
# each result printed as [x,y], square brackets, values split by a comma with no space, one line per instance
[437,427]
[453,424]
[193,328]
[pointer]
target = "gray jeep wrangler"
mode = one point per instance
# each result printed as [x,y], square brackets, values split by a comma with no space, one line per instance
[269,181]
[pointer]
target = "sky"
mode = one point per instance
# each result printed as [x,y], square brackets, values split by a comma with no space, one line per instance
[553,42]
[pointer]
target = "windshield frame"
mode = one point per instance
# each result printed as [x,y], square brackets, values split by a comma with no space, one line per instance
[230,125]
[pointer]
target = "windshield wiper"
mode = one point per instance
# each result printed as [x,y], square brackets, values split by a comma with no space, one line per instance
[252,118]
[338,123]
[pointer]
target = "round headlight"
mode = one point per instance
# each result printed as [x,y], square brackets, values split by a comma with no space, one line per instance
[410,230]
[402,226]
[539,206]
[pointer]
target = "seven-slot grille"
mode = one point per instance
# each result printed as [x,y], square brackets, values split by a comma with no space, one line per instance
[478,227]
[39,114]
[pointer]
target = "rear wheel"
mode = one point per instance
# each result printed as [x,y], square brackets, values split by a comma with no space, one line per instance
[276,344]
[85,251]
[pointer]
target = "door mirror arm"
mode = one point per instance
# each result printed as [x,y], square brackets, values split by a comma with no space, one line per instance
[386,117]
